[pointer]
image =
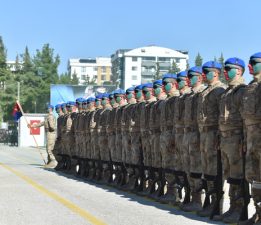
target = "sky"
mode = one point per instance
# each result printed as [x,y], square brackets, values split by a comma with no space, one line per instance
[85,28]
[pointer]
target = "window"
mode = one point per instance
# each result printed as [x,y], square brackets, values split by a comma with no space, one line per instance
[134,77]
[83,69]
[134,68]
[164,59]
[177,60]
[134,59]
[104,69]
[95,68]
[103,77]
[148,58]
[83,77]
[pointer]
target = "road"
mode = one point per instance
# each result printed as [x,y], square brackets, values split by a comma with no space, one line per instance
[31,195]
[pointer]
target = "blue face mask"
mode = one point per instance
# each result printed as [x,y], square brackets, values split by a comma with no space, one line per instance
[194,80]
[210,76]
[232,73]
[257,68]
[168,87]
[181,84]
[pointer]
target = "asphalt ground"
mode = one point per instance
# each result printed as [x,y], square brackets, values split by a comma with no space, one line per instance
[31,194]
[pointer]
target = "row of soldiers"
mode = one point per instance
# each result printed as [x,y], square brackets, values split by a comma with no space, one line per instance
[175,140]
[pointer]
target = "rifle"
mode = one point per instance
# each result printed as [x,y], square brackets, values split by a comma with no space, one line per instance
[218,183]
[244,187]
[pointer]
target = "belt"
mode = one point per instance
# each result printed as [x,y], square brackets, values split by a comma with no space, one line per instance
[190,129]
[208,128]
[254,126]
[156,130]
[179,130]
[230,133]
[169,127]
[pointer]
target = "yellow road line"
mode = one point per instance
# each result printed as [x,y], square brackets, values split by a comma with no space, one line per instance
[76,209]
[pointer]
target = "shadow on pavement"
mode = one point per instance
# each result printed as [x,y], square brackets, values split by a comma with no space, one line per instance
[133,197]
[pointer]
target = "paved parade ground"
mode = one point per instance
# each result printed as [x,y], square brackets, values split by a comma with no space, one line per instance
[31,195]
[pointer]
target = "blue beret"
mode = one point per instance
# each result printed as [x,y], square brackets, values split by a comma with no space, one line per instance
[111,95]
[50,107]
[90,99]
[212,65]
[70,103]
[195,69]
[157,82]
[139,87]
[130,89]
[99,96]
[169,75]
[235,61]
[105,95]
[182,74]
[63,105]
[80,100]
[256,56]
[84,100]
[148,85]
[119,92]
[58,106]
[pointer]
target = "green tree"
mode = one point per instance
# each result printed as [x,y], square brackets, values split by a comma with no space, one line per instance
[17,66]
[222,76]
[157,73]
[64,78]
[27,65]
[215,59]
[174,68]
[2,54]
[198,60]
[75,80]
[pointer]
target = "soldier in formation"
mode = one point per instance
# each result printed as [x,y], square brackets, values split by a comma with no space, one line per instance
[176,140]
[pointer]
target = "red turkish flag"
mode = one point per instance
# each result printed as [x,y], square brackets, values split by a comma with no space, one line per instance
[35,130]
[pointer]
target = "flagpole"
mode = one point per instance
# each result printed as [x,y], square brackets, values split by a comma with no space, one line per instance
[37,146]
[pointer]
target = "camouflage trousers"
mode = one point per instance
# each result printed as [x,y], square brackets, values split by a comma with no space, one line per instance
[191,157]
[96,146]
[231,147]
[118,147]
[112,145]
[126,147]
[208,144]
[146,149]
[87,146]
[136,148]
[103,143]
[178,151]
[156,153]
[253,154]
[51,136]
[167,147]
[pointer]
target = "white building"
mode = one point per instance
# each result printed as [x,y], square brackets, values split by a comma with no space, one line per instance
[91,69]
[11,65]
[140,65]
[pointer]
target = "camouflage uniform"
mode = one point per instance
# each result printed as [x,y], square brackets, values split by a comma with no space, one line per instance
[146,139]
[49,124]
[191,150]
[207,118]
[252,122]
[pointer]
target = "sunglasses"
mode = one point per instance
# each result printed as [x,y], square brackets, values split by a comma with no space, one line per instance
[228,68]
[253,62]
[181,79]
[128,92]
[137,91]
[205,71]
[156,86]
[165,82]
[145,91]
